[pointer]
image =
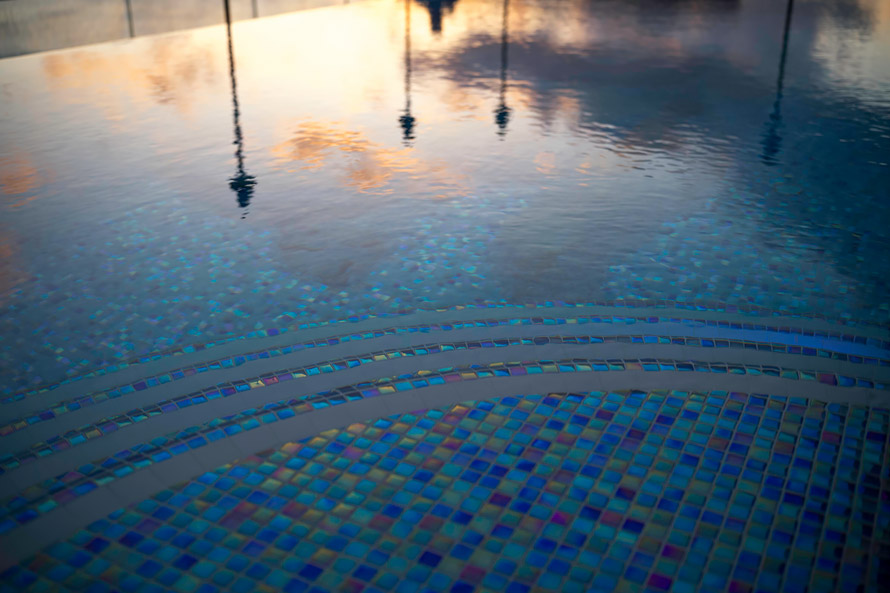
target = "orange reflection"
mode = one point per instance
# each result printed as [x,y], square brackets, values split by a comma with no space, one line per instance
[10,273]
[17,176]
[20,177]
[169,71]
[564,26]
[545,162]
[368,167]
[353,59]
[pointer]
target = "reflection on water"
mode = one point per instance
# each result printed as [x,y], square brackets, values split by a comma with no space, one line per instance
[502,113]
[772,141]
[730,151]
[436,9]
[241,183]
[166,74]
[406,120]
[365,166]
[18,176]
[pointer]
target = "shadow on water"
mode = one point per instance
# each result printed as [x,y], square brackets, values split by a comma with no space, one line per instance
[772,140]
[241,183]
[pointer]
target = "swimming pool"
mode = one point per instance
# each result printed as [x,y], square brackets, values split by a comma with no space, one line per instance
[446,296]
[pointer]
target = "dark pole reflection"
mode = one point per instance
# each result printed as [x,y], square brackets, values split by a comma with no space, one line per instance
[241,183]
[436,9]
[254,8]
[406,120]
[129,16]
[772,141]
[502,113]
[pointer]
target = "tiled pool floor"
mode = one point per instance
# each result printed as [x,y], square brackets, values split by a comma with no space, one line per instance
[565,449]
[625,490]
[611,282]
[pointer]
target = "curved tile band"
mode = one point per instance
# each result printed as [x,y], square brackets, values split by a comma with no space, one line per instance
[138,406]
[119,455]
[717,315]
[264,362]
[453,387]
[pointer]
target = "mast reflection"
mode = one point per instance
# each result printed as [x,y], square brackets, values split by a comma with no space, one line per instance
[241,183]
[502,113]
[406,120]
[772,140]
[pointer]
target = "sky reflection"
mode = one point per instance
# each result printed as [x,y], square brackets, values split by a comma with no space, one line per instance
[398,154]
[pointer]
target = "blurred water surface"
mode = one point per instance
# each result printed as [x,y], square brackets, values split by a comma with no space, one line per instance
[386,155]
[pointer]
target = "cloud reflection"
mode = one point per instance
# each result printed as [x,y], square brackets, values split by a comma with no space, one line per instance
[21,179]
[18,176]
[167,74]
[365,166]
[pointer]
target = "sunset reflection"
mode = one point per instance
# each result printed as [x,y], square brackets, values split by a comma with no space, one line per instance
[167,74]
[21,180]
[18,176]
[365,166]
[397,154]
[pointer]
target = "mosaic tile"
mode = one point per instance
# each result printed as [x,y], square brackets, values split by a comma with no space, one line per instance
[32,502]
[653,491]
[543,320]
[234,361]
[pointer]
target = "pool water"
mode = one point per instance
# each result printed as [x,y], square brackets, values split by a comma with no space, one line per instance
[647,153]
[472,295]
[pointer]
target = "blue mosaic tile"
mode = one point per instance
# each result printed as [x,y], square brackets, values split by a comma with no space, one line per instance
[657,491]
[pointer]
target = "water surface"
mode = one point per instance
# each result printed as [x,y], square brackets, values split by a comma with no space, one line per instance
[385,156]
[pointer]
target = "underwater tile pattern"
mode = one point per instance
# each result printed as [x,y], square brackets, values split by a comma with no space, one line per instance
[79,373]
[628,490]
[141,384]
[49,494]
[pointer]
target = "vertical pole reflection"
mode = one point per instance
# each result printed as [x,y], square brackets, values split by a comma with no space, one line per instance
[241,183]
[129,16]
[254,8]
[406,120]
[772,141]
[502,113]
